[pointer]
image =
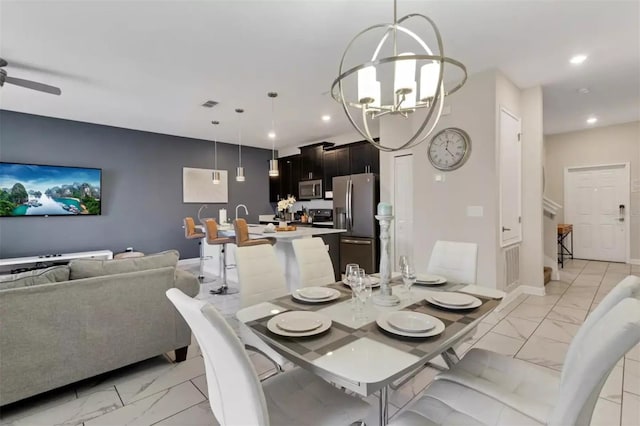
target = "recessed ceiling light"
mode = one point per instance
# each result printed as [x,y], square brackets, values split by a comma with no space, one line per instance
[578,59]
[584,90]
[592,120]
[272,135]
[326,117]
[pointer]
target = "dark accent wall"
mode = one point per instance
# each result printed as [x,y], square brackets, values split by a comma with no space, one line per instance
[141,186]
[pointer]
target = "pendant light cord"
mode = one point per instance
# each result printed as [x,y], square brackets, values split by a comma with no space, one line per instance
[273,129]
[239,139]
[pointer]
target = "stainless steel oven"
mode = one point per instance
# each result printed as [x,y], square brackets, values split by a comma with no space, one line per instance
[310,189]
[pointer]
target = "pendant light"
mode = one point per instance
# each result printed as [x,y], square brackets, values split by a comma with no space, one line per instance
[273,163]
[239,169]
[383,92]
[216,173]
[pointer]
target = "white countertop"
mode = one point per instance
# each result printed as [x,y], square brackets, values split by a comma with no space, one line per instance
[257,231]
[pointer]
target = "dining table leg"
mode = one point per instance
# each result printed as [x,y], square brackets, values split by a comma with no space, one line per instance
[384,406]
[450,357]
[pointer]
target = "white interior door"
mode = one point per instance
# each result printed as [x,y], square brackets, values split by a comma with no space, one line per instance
[510,179]
[403,206]
[593,199]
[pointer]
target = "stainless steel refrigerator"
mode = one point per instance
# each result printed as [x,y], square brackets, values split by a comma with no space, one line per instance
[355,199]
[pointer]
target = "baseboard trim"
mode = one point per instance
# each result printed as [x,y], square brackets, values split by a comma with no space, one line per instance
[185,262]
[534,291]
[510,297]
[634,261]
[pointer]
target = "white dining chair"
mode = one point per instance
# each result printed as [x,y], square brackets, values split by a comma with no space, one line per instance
[531,387]
[536,402]
[455,261]
[314,262]
[237,397]
[260,279]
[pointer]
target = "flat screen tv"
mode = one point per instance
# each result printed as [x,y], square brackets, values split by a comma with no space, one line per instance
[39,190]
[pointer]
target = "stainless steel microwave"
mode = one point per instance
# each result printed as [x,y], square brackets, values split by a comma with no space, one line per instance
[310,189]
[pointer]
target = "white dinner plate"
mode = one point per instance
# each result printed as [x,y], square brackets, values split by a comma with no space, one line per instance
[295,319]
[412,322]
[453,299]
[474,303]
[428,279]
[375,282]
[383,323]
[333,294]
[316,293]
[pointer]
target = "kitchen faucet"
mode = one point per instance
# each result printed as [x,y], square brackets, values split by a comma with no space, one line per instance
[245,210]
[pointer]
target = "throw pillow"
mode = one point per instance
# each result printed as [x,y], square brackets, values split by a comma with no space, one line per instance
[87,268]
[53,274]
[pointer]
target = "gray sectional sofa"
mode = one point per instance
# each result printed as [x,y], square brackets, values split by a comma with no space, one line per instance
[68,323]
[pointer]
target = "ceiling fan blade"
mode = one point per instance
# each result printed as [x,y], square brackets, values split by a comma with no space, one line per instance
[33,85]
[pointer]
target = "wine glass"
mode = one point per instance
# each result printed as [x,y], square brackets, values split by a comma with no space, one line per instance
[408,275]
[403,261]
[365,284]
[351,272]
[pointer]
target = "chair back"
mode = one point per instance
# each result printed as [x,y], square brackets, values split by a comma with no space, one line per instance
[314,262]
[242,231]
[259,274]
[190,229]
[455,261]
[600,348]
[211,230]
[628,287]
[235,394]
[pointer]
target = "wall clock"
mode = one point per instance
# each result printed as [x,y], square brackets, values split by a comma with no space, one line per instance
[449,149]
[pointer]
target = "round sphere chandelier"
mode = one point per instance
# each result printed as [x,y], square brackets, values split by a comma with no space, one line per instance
[407,94]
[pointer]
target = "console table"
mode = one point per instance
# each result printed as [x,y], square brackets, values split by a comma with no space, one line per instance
[564,230]
[6,265]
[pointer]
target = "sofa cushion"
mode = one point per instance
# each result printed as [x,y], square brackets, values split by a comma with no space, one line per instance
[53,274]
[87,268]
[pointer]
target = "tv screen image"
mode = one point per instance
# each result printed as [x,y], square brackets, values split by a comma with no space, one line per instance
[39,190]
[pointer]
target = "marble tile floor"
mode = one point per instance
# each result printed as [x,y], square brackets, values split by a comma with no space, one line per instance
[160,392]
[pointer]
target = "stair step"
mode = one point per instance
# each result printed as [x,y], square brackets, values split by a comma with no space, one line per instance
[547,275]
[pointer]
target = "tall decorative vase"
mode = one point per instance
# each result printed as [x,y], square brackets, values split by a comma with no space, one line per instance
[385,296]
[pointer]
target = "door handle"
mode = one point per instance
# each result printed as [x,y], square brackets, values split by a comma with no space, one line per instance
[621,211]
[361,242]
[505,229]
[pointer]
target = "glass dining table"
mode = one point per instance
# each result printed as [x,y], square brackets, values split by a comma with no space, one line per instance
[357,354]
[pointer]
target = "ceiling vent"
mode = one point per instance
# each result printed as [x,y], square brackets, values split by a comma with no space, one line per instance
[210,104]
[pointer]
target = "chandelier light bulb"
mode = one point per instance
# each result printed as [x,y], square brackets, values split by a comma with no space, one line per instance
[405,75]
[367,92]
[429,74]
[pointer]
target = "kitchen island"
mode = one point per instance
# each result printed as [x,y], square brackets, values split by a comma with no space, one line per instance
[283,249]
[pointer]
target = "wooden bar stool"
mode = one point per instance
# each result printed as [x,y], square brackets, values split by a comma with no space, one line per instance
[564,230]
[211,229]
[242,235]
[191,233]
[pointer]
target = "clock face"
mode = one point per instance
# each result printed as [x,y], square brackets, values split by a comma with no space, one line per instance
[449,149]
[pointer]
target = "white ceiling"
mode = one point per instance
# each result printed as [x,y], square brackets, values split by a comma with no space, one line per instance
[149,65]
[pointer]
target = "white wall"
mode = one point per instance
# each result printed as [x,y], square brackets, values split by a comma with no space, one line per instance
[604,145]
[440,208]
[532,248]
[507,97]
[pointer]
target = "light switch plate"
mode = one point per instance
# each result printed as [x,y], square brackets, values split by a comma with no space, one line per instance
[475,211]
